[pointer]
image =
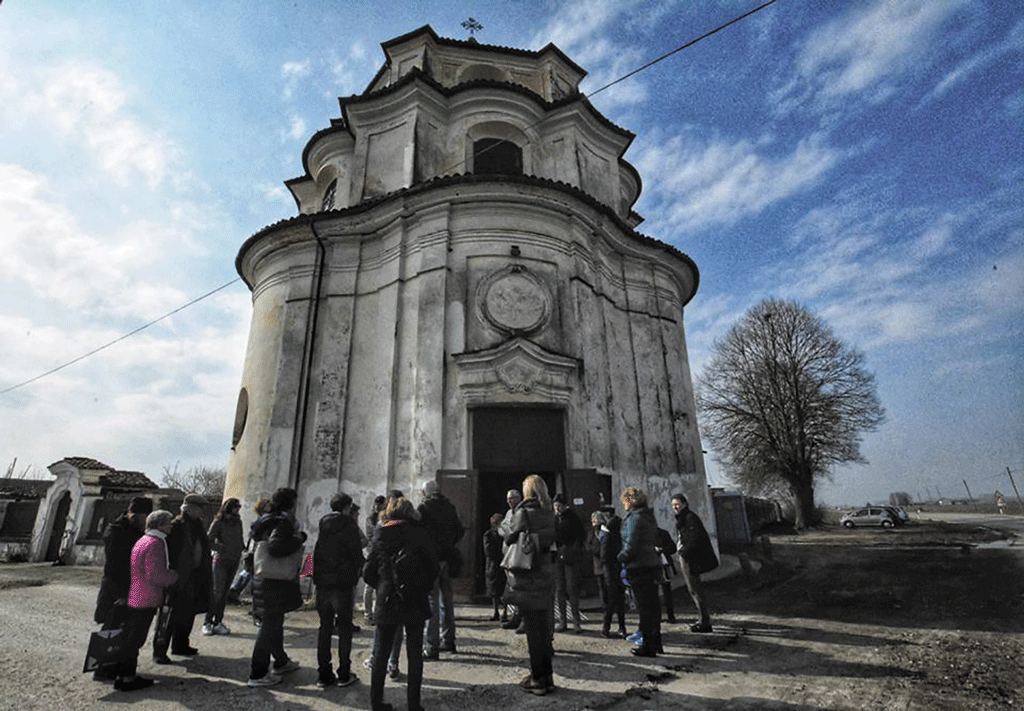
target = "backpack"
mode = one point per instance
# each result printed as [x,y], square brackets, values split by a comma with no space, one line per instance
[413,572]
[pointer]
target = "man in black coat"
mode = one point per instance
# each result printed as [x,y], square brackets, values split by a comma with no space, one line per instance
[188,551]
[439,517]
[569,539]
[337,564]
[697,556]
[119,537]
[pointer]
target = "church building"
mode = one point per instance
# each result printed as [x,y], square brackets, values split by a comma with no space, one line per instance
[464,296]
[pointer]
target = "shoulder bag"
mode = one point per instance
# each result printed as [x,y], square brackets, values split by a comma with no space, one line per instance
[276,567]
[522,554]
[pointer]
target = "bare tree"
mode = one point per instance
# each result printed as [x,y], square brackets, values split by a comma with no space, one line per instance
[204,480]
[783,400]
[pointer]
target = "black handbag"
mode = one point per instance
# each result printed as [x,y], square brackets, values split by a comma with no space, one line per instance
[106,648]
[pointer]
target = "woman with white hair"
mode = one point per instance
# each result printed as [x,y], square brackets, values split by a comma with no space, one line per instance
[149,577]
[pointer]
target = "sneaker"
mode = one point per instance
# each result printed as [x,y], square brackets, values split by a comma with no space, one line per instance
[633,637]
[349,680]
[393,671]
[266,680]
[289,666]
[430,656]
[162,659]
[325,682]
[186,652]
[368,663]
[220,628]
[208,630]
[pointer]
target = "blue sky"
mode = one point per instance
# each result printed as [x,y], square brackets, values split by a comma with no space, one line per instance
[863,158]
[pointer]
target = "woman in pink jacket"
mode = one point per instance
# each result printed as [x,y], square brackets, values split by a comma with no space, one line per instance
[150,575]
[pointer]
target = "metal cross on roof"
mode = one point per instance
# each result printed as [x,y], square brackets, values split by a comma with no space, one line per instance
[472,25]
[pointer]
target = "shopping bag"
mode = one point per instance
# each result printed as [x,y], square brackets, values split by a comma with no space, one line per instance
[105,648]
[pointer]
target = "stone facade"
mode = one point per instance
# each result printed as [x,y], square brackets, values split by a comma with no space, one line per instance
[427,277]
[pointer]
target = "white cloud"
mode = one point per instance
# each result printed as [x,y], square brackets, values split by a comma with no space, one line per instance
[87,104]
[898,277]
[867,51]
[972,65]
[350,71]
[296,127]
[293,73]
[702,182]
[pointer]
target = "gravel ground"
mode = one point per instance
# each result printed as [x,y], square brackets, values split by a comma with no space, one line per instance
[784,640]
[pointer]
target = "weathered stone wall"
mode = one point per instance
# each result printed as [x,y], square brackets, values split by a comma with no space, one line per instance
[410,287]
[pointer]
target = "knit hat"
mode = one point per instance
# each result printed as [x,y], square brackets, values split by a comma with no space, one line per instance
[194,500]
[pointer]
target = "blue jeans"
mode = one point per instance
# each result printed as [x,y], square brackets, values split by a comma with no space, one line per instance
[441,625]
[223,573]
[269,642]
[383,641]
[334,606]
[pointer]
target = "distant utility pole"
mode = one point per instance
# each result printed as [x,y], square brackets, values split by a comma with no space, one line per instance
[969,497]
[1010,474]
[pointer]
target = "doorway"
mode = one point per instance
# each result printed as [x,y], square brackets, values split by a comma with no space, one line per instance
[509,444]
[60,520]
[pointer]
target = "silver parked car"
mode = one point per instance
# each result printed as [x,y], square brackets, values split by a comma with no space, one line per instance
[869,516]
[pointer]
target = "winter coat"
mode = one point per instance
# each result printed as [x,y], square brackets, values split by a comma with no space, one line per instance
[119,537]
[694,543]
[439,517]
[150,573]
[593,548]
[569,536]
[533,589]
[278,530]
[639,539]
[494,575]
[388,540]
[225,536]
[189,551]
[338,555]
[611,545]
[667,546]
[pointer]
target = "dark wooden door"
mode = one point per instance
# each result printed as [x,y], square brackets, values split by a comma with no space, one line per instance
[587,491]
[461,486]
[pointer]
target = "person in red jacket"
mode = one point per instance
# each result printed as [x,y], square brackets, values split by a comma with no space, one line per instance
[150,575]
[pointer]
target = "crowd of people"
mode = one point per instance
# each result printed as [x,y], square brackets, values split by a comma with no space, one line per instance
[170,568]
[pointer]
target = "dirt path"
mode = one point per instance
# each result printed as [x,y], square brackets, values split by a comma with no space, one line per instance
[832,621]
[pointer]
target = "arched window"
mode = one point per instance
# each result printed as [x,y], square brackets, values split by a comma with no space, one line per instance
[328,202]
[494,155]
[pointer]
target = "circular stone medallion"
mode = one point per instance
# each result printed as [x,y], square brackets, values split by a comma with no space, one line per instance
[515,301]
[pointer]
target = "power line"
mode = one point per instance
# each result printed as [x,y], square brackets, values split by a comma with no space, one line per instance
[120,338]
[224,286]
[646,66]
[682,47]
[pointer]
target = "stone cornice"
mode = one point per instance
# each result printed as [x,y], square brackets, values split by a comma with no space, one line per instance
[298,221]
